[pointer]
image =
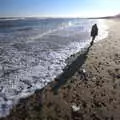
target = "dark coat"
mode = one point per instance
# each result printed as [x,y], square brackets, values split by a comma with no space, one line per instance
[94,31]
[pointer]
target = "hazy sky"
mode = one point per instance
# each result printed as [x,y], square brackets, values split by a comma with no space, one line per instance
[59,8]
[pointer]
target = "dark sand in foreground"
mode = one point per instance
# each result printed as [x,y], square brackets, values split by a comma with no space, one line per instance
[93,87]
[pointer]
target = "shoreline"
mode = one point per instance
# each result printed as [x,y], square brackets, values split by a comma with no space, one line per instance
[65,101]
[68,68]
[71,68]
[51,70]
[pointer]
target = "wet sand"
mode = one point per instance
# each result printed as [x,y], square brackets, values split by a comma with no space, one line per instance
[92,85]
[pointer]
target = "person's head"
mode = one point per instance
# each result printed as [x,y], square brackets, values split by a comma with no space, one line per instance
[95,24]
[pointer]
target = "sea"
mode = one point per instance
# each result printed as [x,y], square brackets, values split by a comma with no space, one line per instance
[33,52]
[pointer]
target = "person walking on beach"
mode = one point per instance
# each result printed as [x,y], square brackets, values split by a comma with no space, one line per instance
[94,32]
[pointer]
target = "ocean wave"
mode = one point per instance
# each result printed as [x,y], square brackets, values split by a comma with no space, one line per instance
[12,19]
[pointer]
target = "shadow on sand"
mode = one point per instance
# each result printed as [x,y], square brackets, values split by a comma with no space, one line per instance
[70,70]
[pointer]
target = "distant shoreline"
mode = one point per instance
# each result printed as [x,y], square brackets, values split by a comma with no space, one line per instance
[107,17]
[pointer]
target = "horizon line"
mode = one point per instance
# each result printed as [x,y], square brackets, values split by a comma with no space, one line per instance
[4,17]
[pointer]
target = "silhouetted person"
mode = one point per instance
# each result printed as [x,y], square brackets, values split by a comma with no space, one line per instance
[94,32]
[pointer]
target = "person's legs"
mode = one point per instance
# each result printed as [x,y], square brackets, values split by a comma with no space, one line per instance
[93,38]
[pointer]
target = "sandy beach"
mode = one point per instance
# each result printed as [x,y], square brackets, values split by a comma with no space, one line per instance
[89,89]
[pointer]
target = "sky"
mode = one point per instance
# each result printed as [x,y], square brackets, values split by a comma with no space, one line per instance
[59,8]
